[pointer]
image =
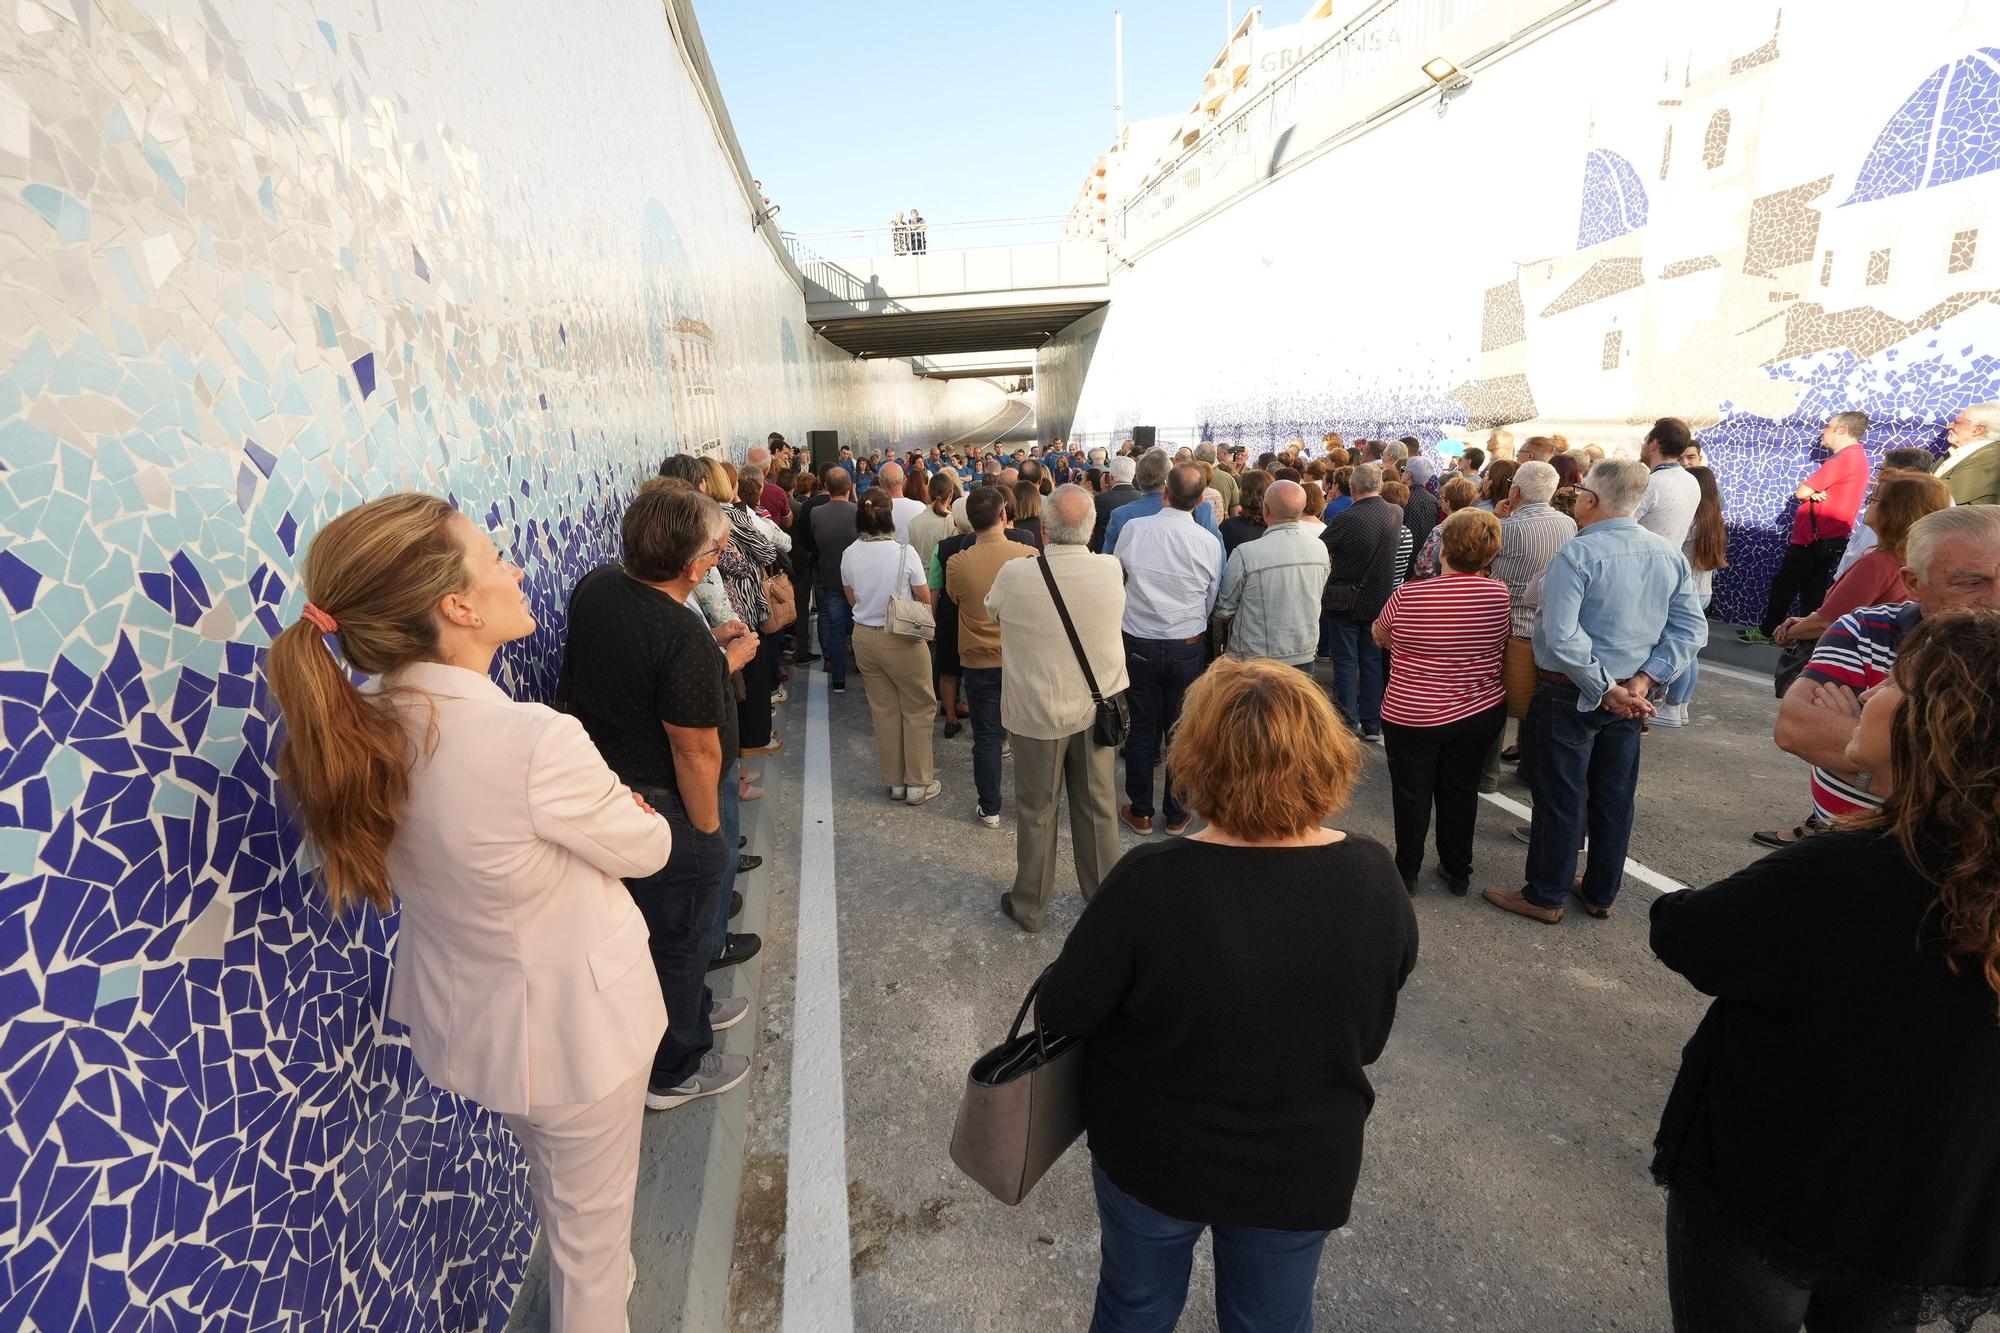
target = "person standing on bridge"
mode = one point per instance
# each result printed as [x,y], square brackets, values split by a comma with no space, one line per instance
[900,235]
[919,237]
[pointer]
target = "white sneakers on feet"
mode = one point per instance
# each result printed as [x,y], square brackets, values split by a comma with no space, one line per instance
[918,795]
[1670,715]
[898,793]
[991,821]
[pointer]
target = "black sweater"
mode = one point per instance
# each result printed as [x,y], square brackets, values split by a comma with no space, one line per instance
[1233,997]
[1842,1096]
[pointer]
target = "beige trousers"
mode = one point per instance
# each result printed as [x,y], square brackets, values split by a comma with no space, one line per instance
[1042,769]
[583,1168]
[896,673]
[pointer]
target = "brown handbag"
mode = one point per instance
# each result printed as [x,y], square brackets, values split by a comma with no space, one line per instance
[1023,1107]
[783,602]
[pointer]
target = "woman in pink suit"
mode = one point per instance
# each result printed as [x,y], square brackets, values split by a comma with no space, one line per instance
[522,968]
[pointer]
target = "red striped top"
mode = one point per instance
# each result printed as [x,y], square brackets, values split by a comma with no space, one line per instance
[1447,637]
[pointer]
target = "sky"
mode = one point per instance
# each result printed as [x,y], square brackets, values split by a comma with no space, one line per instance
[851,111]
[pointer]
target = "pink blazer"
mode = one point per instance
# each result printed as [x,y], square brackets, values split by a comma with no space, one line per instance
[522,969]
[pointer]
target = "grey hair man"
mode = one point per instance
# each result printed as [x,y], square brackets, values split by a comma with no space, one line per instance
[1114,497]
[1271,587]
[1952,559]
[1530,536]
[1046,704]
[1395,451]
[1221,478]
[1972,467]
[1361,544]
[1618,617]
[1151,477]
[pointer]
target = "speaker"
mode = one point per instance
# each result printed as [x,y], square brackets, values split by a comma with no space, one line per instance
[825,448]
[1142,439]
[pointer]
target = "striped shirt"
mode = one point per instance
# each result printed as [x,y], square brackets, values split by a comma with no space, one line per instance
[1857,651]
[1447,637]
[1529,539]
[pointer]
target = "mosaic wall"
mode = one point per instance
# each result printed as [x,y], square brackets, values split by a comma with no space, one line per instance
[1803,246]
[258,262]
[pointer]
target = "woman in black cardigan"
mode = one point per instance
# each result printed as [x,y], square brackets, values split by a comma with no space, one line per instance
[1832,1144]
[1234,986]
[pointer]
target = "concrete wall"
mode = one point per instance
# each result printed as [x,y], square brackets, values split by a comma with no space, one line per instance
[259,261]
[1062,366]
[1657,209]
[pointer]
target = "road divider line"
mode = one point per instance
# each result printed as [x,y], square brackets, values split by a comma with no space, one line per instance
[1652,879]
[819,1289]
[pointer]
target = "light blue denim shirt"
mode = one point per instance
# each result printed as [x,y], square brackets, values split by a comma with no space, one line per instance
[1617,600]
[1152,502]
[1272,588]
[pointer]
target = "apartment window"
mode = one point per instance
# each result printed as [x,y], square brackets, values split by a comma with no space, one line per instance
[1614,343]
[1964,247]
[1826,270]
[1878,268]
[1715,147]
[1667,152]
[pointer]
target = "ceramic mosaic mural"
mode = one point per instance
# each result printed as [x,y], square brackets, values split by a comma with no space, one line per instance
[259,261]
[1658,209]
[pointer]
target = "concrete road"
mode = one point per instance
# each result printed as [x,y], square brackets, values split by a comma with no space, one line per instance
[1505,1186]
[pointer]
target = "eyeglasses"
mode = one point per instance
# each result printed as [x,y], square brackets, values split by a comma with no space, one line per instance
[1587,491]
[712,552]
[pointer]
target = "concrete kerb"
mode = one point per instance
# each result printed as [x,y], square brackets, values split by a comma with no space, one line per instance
[690,1163]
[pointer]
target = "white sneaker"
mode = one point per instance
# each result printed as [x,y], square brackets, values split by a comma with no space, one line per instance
[991,821]
[778,695]
[898,793]
[725,1013]
[1007,749]
[717,1074]
[918,795]
[1670,715]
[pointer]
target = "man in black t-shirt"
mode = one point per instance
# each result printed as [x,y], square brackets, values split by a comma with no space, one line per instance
[832,533]
[649,680]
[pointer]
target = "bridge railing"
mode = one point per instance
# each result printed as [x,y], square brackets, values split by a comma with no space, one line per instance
[928,238]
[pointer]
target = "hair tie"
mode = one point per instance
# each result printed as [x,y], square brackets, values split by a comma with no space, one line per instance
[320,620]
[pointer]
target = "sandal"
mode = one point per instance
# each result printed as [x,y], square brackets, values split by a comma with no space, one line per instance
[1511,755]
[748,794]
[1785,838]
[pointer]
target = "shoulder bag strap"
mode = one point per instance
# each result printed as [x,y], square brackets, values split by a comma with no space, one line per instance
[1076,644]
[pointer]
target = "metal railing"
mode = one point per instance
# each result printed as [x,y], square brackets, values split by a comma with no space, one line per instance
[931,237]
[1277,125]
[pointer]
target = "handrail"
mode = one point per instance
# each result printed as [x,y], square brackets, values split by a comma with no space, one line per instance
[936,236]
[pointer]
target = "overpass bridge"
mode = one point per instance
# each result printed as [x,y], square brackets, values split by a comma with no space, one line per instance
[950,299]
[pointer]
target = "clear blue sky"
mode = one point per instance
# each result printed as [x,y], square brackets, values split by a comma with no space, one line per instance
[850,112]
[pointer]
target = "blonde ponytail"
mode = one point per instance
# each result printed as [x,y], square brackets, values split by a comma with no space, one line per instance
[375,574]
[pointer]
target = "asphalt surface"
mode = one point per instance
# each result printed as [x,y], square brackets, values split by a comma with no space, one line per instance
[1505,1185]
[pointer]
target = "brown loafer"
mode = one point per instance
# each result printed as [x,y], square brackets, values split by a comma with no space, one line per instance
[1007,910]
[1576,892]
[1513,900]
[1139,824]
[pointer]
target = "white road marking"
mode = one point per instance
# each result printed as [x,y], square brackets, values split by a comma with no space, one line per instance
[1735,673]
[1651,878]
[819,1294]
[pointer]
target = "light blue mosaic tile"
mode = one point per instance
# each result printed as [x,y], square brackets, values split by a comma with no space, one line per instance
[23,446]
[64,774]
[156,156]
[118,129]
[18,849]
[128,277]
[87,657]
[118,983]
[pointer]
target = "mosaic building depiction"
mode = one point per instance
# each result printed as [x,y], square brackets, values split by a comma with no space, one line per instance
[1609,227]
[257,262]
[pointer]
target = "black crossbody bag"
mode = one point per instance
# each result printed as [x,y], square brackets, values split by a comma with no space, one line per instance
[1114,716]
[1343,595]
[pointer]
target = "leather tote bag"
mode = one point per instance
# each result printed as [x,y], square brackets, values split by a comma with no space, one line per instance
[1023,1107]
[908,618]
[783,603]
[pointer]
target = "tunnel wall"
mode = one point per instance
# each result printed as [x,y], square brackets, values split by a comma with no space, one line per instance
[259,261]
[1706,209]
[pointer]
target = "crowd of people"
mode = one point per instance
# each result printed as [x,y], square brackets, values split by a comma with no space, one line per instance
[1172,609]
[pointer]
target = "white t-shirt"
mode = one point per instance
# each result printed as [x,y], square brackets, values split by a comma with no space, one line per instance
[905,509]
[878,569]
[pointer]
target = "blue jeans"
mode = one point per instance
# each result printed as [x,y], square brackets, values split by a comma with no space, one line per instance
[836,623]
[731,808]
[1161,670]
[1355,654]
[1584,773]
[980,688]
[679,908]
[1263,1279]
[1681,688]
